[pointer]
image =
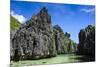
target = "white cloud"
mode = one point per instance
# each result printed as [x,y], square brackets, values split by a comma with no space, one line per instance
[19,17]
[88,10]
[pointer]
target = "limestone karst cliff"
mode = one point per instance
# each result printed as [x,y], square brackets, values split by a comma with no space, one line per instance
[63,42]
[87,41]
[37,38]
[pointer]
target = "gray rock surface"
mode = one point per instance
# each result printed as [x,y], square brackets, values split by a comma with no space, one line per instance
[87,41]
[35,38]
[63,42]
[12,33]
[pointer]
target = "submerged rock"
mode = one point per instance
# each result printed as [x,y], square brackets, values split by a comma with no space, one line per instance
[87,41]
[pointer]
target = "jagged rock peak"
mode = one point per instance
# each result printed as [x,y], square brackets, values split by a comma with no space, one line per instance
[35,39]
[44,10]
[42,16]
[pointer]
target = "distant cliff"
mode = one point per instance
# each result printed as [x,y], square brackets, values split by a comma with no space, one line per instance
[37,38]
[63,42]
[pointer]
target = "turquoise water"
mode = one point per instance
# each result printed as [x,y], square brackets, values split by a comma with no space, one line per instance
[65,58]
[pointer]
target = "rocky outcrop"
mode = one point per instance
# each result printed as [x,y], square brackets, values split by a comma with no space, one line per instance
[63,42]
[87,41]
[14,26]
[38,39]
[59,39]
[35,38]
[12,33]
[67,34]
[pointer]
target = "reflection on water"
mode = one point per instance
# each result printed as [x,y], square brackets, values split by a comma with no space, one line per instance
[86,58]
[64,58]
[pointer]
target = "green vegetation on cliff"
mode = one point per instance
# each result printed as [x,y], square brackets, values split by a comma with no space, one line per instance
[14,23]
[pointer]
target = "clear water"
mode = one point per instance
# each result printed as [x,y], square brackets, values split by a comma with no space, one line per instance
[59,59]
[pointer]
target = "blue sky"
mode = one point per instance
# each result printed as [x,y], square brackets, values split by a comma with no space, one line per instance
[70,17]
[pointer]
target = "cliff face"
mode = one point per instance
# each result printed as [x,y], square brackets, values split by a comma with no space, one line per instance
[59,39]
[63,42]
[14,26]
[87,41]
[38,39]
[35,38]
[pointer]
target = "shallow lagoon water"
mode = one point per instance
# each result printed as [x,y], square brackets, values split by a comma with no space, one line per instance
[59,59]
